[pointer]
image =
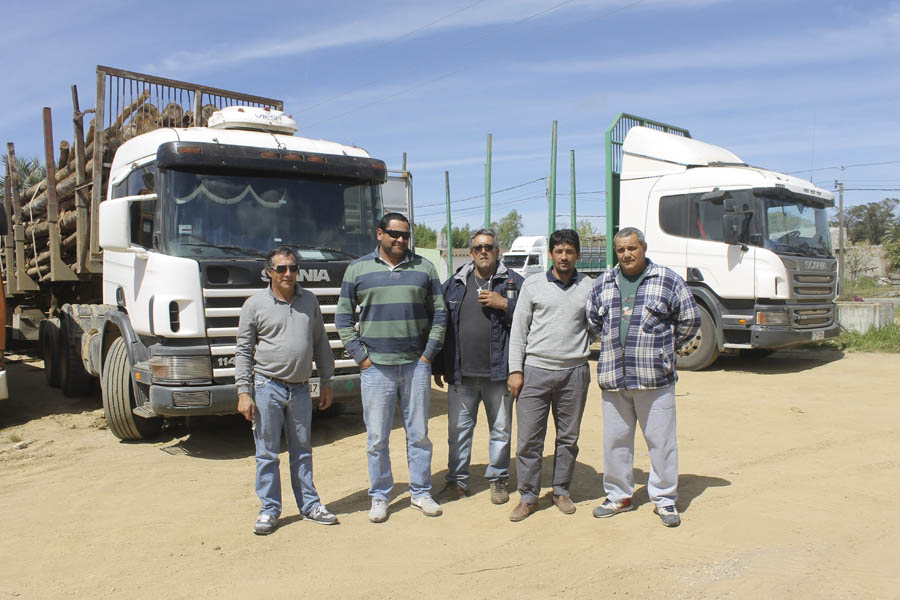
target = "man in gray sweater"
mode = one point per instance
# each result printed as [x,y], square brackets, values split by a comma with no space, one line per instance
[280,332]
[548,369]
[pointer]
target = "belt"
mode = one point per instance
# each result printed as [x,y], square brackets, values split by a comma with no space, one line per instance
[285,383]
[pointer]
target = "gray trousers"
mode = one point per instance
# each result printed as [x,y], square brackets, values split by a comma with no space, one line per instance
[654,410]
[563,392]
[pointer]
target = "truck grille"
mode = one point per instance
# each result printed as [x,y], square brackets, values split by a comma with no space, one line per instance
[222,309]
[813,285]
[812,317]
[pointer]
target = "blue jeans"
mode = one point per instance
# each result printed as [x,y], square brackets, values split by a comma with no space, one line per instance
[289,407]
[462,415]
[382,386]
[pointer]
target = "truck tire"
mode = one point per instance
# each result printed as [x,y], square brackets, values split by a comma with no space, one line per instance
[702,350]
[73,379]
[118,397]
[49,341]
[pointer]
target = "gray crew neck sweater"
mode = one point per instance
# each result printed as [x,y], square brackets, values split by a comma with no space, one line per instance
[280,340]
[549,328]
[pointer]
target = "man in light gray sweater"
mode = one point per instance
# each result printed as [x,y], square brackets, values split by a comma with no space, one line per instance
[280,332]
[548,368]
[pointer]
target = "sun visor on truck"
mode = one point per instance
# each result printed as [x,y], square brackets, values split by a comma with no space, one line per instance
[212,158]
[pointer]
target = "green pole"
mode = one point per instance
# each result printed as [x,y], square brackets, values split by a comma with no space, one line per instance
[487,185]
[552,192]
[572,156]
[449,230]
[404,162]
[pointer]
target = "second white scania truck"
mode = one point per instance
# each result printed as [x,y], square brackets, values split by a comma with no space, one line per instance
[753,244]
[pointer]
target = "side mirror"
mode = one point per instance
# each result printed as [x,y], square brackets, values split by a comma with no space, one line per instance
[730,228]
[115,223]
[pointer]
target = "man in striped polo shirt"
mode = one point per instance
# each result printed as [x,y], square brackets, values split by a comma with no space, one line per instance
[401,328]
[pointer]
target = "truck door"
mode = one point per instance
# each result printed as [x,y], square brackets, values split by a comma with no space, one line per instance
[396,195]
[728,269]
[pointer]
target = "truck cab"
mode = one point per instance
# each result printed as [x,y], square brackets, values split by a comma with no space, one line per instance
[752,244]
[527,255]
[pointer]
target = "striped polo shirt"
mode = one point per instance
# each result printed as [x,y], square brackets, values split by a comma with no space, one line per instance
[402,314]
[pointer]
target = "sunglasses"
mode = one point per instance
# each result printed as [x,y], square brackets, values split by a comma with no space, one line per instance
[397,234]
[282,269]
[479,248]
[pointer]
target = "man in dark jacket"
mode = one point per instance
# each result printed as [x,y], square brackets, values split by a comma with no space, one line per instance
[474,361]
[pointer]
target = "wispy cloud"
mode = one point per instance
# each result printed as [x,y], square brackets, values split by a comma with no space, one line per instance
[877,36]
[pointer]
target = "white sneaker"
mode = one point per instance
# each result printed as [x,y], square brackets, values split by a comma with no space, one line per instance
[427,505]
[379,511]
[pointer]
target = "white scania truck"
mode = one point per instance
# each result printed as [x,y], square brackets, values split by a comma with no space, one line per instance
[752,244]
[148,299]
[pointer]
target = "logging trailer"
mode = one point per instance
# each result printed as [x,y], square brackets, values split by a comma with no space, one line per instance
[143,288]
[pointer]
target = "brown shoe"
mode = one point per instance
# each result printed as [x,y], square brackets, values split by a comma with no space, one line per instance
[522,511]
[452,491]
[564,504]
[499,493]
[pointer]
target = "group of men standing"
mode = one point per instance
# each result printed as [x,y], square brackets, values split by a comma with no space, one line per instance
[495,339]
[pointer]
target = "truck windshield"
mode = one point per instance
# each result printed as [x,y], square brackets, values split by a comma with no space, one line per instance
[796,228]
[244,215]
[514,261]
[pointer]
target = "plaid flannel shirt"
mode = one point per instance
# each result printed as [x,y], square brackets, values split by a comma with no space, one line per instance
[665,316]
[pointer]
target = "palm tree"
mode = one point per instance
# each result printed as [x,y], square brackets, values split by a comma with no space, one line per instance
[30,171]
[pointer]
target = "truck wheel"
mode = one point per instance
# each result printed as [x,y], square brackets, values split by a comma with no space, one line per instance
[73,379]
[702,350]
[49,340]
[118,397]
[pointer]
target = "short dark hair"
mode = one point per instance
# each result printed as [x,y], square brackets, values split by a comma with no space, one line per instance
[280,251]
[565,236]
[391,216]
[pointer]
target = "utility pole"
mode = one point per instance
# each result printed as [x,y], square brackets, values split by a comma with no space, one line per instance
[840,186]
[449,229]
[574,223]
[552,186]
[487,186]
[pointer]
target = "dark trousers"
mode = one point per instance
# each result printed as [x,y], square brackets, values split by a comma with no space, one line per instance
[563,392]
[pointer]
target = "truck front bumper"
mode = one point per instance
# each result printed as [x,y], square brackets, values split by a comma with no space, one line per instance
[780,337]
[198,400]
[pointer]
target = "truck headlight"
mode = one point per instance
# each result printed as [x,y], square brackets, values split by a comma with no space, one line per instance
[181,369]
[766,317]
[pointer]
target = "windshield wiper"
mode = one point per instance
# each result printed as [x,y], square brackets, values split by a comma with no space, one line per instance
[250,251]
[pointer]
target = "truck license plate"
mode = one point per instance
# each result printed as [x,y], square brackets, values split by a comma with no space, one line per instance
[314,389]
[818,335]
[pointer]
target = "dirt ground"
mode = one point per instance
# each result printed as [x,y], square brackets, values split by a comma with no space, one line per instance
[790,466]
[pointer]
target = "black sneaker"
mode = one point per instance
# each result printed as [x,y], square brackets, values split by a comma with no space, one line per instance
[452,491]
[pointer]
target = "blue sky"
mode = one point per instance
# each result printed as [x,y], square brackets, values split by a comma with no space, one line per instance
[799,86]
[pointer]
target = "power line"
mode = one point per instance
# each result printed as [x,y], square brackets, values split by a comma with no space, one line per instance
[482,195]
[875,164]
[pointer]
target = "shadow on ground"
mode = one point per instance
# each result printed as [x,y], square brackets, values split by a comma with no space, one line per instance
[779,362]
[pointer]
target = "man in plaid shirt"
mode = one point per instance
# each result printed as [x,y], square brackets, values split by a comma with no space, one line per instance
[641,312]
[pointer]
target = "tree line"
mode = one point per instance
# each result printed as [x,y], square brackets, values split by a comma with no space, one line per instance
[875,223]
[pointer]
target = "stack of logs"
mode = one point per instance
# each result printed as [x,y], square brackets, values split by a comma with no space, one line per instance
[141,116]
